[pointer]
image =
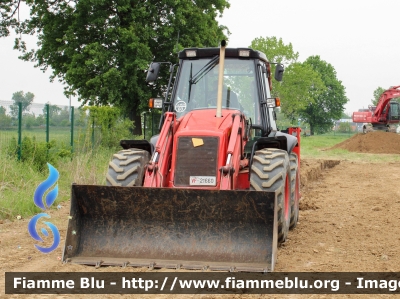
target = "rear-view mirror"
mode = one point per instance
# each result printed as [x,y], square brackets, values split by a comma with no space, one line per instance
[279,72]
[152,73]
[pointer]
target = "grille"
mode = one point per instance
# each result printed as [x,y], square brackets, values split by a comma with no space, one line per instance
[195,161]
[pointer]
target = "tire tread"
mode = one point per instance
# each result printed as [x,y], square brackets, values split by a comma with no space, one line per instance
[127,168]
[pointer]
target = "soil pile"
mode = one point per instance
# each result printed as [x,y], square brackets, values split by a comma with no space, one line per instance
[373,142]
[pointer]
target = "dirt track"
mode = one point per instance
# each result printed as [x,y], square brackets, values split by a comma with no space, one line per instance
[349,221]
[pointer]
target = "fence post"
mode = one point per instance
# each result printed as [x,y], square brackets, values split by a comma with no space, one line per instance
[72,129]
[19,130]
[47,128]
[93,133]
[144,126]
[47,122]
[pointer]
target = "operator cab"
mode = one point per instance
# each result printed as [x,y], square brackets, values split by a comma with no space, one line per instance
[246,86]
[394,111]
[197,89]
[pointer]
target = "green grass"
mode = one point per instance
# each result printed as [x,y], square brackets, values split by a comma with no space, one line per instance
[18,181]
[318,146]
[62,135]
[55,133]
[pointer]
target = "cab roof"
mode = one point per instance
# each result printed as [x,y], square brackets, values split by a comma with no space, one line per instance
[229,52]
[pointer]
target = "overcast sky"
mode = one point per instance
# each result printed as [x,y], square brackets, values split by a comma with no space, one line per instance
[359,38]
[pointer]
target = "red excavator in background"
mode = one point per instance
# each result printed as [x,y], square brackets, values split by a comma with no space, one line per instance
[381,116]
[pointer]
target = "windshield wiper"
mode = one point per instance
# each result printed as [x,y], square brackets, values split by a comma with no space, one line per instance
[201,73]
[190,81]
[204,70]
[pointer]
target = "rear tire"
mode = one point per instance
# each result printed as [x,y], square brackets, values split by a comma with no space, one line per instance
[270,171]
[127,168]
[295,190]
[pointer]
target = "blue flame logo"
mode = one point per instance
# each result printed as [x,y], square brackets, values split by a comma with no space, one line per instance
[49,200]
[43,187]
[35,235]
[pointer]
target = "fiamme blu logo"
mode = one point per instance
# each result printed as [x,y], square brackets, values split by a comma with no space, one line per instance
[44,203]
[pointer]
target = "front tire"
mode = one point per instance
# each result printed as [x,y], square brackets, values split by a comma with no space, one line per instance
[127,168]
[270,171]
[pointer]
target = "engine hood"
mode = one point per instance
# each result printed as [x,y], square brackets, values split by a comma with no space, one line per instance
[200,122]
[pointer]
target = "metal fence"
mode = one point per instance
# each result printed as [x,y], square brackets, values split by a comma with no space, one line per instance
[74,129]
[62,127]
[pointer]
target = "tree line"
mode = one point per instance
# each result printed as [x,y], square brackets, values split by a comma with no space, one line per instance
[58,116]
[101,49]
[310,90]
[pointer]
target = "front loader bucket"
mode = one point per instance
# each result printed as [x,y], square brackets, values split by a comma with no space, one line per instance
[172,228]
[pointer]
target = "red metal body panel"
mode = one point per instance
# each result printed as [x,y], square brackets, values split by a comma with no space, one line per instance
[199,123]
[243,182]
[232,171]
[296,131]
[362,117]
[157,171]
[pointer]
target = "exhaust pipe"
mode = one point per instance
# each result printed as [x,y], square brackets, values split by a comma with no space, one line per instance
[220,78]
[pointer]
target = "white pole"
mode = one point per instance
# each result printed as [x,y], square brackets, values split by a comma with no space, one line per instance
[220,78]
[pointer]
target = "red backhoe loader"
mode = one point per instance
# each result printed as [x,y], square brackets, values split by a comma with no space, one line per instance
[383,115]
[217,189]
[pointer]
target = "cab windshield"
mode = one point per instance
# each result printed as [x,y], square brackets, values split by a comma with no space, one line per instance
[198,86]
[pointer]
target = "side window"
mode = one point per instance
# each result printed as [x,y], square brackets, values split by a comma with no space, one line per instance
[270,110]
[268,92]
[394,109]
[267,113]
[263,95]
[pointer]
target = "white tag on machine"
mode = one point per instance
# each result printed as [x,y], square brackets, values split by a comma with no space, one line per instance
[203,181]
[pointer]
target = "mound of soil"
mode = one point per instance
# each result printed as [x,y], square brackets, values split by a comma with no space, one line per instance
[373,142]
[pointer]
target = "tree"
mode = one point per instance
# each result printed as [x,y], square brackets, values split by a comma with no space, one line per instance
[80,117]
[100,49]
[275,50]
[300,86]
[345,116]
[329,105]
[5,120]
[9,16]
[61,118]
[29,120]
[377,94]
[344,127]
[19,97]
[53,110]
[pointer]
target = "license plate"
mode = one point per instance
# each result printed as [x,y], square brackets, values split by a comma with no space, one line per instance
[203,181]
